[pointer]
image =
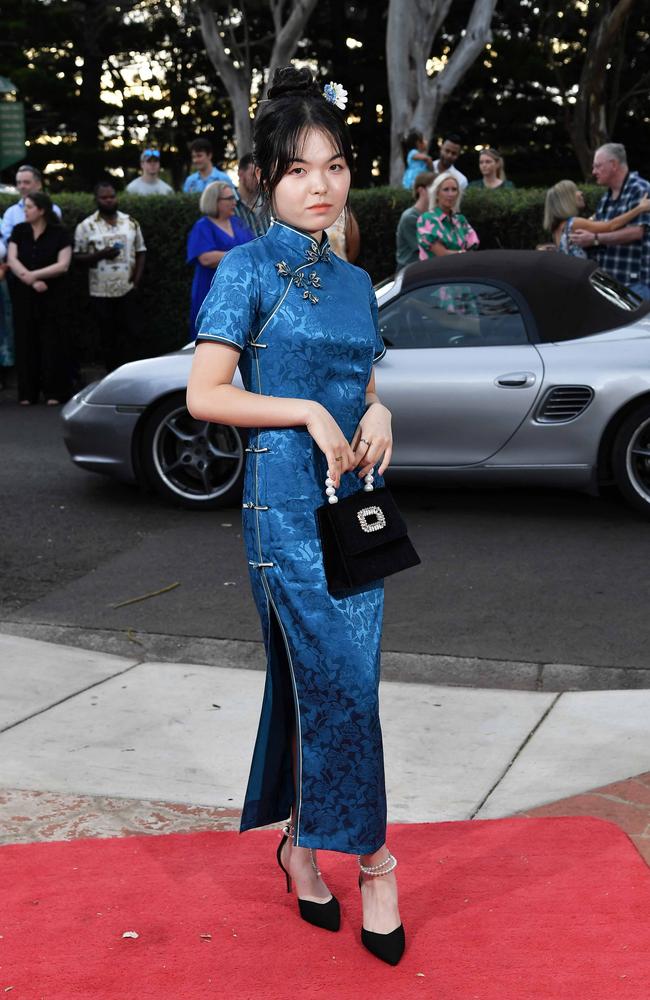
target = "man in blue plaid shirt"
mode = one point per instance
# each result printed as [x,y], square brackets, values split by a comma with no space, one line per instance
[625,253]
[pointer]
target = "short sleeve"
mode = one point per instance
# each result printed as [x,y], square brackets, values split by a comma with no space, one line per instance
[380,347]
[642,188]
[428,232]
[140,245]
[469,236]
[203,238]
[229,308]
[64,238]
[81,238]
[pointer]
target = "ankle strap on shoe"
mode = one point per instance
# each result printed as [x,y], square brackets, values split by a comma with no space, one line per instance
[385,868]
[288,831]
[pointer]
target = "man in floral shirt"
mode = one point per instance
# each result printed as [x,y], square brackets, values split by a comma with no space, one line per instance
[110,243]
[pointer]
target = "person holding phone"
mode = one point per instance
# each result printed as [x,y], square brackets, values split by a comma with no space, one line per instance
[111,245]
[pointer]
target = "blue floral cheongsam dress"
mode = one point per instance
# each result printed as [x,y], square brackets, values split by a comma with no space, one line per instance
[305,322]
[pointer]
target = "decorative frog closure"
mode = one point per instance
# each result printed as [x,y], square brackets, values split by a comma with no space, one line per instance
[313,255]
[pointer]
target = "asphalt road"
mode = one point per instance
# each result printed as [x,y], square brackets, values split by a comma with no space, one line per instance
[527,575]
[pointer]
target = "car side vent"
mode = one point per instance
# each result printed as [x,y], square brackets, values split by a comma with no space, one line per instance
[565,402]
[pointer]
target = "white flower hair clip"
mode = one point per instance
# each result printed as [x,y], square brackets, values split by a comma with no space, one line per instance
[335,94]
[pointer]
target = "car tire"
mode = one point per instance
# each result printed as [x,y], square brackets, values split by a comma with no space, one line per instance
[631,458]
[191,463]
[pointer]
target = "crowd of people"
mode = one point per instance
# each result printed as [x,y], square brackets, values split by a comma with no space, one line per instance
[617,236]
[36,252]
[434,226]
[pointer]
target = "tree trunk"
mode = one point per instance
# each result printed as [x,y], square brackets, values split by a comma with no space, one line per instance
[89,110]
[287,34]
[236,79]
[416,99]
[587,122]
[289,26]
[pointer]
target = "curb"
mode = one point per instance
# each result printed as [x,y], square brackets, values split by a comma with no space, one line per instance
[416,668]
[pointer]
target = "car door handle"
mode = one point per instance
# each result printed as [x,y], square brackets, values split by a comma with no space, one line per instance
[516,380]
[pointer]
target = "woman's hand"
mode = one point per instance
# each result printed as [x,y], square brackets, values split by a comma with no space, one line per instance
[373,440]
[39,286]
[330,439]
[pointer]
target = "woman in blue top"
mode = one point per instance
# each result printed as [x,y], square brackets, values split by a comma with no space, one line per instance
[301,324]
[417,158]
[211,238]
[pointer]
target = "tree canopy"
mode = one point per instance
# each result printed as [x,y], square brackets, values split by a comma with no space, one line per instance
[101,79]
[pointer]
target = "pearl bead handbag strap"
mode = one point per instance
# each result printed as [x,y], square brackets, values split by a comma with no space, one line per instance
[330,491]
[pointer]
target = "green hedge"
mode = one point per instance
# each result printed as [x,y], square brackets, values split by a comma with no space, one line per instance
[511,220]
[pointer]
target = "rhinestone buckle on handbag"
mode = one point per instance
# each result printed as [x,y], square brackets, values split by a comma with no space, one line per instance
[365,513]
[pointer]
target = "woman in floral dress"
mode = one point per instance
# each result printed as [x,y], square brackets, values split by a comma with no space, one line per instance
[443,230]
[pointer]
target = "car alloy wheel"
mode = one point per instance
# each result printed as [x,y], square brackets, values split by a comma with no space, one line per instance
[631,458]
[192,462]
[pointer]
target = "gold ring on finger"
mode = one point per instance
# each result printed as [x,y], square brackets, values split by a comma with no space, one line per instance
[366,442]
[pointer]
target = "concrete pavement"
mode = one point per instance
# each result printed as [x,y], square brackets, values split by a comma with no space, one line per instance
[97,744]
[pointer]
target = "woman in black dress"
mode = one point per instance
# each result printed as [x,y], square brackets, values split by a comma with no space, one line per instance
[39,255]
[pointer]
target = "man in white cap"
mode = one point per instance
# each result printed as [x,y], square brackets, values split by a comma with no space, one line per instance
[149,181]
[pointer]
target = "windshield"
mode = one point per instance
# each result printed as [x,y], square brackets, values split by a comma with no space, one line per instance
[384,287]
[614,291]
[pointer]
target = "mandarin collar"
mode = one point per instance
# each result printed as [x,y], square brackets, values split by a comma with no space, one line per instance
[303,245]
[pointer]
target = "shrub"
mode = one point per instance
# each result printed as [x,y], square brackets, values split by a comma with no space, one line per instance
[508,220]
[511,220]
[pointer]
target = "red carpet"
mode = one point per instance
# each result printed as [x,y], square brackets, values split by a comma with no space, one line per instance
[494,910]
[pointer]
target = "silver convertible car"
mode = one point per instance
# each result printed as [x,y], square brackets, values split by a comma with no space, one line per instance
[503,367]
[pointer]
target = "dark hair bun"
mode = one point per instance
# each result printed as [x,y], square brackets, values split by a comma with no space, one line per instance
[288,81]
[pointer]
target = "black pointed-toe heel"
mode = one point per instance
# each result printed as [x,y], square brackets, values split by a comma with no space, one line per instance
[325,915]
[388,947]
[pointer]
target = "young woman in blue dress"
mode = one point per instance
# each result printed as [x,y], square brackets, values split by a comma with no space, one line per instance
[301,324]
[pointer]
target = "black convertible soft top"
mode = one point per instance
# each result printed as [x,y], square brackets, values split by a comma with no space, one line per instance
[563,301]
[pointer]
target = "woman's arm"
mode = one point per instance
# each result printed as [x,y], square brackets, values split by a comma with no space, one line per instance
[440,250]
[17,267]
[211,258]
[374,427]
[211,396]
[54,270]
[618,222]
[428,236]
[471,238]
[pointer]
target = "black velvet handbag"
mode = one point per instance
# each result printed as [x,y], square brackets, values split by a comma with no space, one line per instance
[364,539]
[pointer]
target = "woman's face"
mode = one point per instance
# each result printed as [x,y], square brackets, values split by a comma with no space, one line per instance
[32,212]
[487,165]
[313,192]
[580,199]
[226,203]
[447,194]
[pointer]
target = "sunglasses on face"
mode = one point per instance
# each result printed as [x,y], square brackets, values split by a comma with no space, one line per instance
[229,197]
